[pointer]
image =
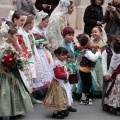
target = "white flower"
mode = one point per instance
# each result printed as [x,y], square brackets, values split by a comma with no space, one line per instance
[10,59]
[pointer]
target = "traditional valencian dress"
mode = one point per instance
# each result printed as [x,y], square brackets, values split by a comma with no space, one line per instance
[14,96]
[112,97]
[97,87]
[106,59]
[59,96]
[46,64]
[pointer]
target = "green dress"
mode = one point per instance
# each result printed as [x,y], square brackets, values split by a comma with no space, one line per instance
[98,71]
[14,97]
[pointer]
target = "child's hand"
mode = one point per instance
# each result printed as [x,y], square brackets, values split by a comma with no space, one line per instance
[37,43]
[99,50]
[79,58]
[29,53]
[107,77]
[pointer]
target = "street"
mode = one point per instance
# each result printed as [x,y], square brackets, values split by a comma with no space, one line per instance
[83,113]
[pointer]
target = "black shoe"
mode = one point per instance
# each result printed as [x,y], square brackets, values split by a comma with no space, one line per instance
[70,109]
[57,116]
[64,113]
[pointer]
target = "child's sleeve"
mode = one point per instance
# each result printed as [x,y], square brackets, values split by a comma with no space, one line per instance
[91,56]
[104,63]
[110,71]
[60,74]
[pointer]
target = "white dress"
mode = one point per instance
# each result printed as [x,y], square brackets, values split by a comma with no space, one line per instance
[55,29]
[47,67]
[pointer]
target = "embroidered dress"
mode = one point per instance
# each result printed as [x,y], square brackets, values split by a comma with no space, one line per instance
[46,65]
[98,71]
[113,91]
[56,98]
[14,99]
[113,99]
[28,69]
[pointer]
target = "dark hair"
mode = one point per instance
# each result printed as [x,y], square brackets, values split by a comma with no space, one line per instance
[17,15]
[80,37]
[61,50]
[111,38]
[117,47]
[99,28]
[29,20]
[93,2]
[12,27]
[45,18]
[11,24]
[71,2]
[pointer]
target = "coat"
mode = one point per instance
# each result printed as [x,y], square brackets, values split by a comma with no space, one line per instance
[53,3]
[108,17]
[26,6]
[93,13]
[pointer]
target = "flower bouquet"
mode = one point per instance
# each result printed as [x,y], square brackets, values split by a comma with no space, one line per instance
[72,66]
[39,38]
[10,60]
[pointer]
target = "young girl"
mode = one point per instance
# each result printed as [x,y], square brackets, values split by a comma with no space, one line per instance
[20,19]
[14,97]
[106,59]
[59,96]
[98,41]
[40,24]
[86,65]
[112,96]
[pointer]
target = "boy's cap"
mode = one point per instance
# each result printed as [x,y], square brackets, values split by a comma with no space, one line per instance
[68,30]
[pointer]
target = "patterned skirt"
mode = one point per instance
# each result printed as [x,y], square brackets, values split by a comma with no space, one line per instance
[56,98]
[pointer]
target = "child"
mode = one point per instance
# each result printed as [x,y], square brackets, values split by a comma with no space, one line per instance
[112,97]
[56,99]
[68,43]
[14,97]
[98,41]
[39,29]
[86,65]
[106,59]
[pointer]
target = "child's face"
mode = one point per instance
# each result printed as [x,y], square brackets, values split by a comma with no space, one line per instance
[96,34]
[21,21]
[70,9]
[45,23]
[62,57]
[31,25]
[13,38]
[69,38]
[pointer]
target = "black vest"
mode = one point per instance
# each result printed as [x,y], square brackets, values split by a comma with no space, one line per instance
[109,56]
[85,62]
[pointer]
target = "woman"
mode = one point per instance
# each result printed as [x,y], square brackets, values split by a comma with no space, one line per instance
[25,6]
[57,23]
[93,16]
[112,18]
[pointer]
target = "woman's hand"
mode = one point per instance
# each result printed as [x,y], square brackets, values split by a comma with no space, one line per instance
[112,8]
[99,22]
[46,43]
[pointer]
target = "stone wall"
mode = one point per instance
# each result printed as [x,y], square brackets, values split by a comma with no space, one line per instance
[76,19]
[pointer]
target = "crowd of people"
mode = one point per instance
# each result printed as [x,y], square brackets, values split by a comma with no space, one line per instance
[38,51]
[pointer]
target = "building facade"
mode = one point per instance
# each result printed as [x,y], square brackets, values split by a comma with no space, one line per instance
[76,19]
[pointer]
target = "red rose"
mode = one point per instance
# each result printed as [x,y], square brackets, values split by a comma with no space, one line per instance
[20,39]
[8,60]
